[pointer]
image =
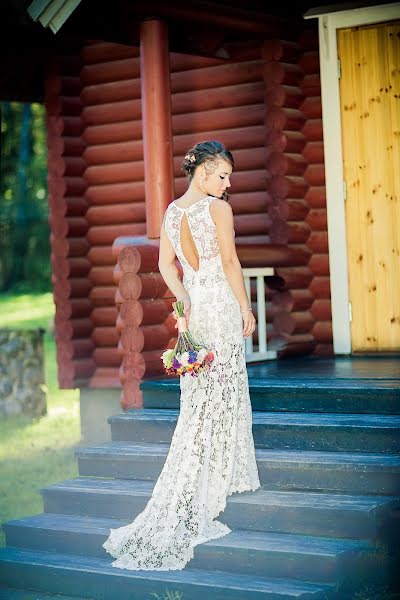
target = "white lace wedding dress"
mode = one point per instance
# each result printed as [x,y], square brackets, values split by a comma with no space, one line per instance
[212,450]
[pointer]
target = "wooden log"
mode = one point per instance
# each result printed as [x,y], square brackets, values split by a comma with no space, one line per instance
[316,197]
[234,139]
[253,202]
[69,349]
[154,311]
[70,126]
[125,68]
[293,300]
[218,76]
[67,85]
[313,152]
[155,337]
[321,287]
[148,250]
[287,186]
[223,118]
[285,141]
[131,313]
[74,286]
[69,247]
[131,395]
[282,73]
[297,345]
[298,233]
[252,224]
[73,226]
[103,316]
[311,85]
[312,107]
[212,99]
[294,322]
[104,377]
[312,129]
[131,339]
[130,286]
[117,213]
[282,118]
[271,255]
[322,332]
[286,164]
[291,277]
[315,175]
[324,350]
[100,255]
[102,275]
[101,52]
[279,231]
[318,242]
[105,235]
[107,357]
[152,285]
[284,95]
[76,266]
[114,153]
[319,264]
[289,209]
[105,336]
[67,146]
[280,50]
[103,296]
[114,173]
[113,133]
[74,328]
[128,258]
[189,62]
[321,309]
[113,91]
[115,193]
[76,206]
[112,112]
[75,308]
[317,219]
[309,62]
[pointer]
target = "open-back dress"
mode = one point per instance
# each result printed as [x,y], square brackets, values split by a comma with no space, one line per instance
[212,450]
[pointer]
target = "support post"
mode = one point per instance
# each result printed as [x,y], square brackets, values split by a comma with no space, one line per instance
[156,122]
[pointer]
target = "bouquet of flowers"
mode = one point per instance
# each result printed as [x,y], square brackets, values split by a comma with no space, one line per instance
[188,356]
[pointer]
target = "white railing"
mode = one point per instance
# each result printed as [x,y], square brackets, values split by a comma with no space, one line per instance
[262,353]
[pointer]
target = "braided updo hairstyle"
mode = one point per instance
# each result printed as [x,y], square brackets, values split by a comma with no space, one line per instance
[207,153]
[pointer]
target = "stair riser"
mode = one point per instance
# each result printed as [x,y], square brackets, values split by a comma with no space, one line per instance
[293,437]
[237,515]
[272,476]
[310,567]
[104,586]
[347,401]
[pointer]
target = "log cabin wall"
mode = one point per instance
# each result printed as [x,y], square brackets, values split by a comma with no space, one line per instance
[265,106]
[67,218]
[315,196]
[115,184]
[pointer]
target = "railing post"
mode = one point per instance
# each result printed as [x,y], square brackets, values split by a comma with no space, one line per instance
[262,353]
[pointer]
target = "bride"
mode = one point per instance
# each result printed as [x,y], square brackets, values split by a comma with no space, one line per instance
[212,452]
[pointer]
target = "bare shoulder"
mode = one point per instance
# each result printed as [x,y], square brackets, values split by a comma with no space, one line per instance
[220,209]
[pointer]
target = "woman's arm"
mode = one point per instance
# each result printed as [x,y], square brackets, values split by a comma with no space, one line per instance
[167,266]
[222,215]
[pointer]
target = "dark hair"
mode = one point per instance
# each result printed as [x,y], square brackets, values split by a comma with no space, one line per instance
[204,151]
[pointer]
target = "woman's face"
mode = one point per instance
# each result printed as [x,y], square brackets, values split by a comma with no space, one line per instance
[213,175]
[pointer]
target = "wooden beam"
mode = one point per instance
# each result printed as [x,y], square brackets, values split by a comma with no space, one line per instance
[156,122]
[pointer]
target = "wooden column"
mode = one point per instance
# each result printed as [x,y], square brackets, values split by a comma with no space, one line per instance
[156,122]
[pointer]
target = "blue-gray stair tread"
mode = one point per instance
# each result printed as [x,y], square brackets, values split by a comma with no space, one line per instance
[278,419]
[314,459]
[99,579]
[284,543]
[338,515]
[311,431]
[18,594]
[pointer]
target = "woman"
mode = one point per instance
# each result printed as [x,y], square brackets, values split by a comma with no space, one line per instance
[212,450]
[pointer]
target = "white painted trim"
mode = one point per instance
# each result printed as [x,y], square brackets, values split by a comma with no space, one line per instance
[328,24]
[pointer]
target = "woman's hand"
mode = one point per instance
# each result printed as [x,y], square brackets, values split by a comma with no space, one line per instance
[249,322]
[186,309]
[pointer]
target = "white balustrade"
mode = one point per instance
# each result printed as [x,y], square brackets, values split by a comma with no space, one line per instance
[262,352]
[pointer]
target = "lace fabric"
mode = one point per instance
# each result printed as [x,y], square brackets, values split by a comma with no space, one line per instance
[212,450]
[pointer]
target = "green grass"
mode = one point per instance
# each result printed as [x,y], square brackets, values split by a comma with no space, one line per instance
[35,452]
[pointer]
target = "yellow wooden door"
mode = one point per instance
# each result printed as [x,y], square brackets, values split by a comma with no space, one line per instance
[370,120]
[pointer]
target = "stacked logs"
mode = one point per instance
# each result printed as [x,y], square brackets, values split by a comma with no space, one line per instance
[287,186]
[68,224]
[115,184]
[145,323]
[315,198]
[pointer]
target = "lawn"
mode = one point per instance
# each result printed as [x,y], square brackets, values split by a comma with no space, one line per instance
[36,452]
